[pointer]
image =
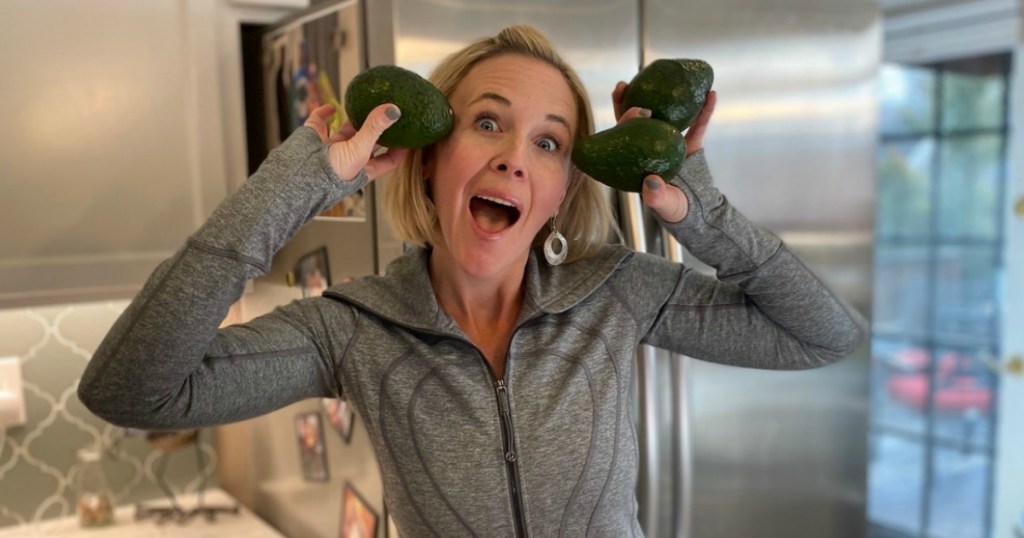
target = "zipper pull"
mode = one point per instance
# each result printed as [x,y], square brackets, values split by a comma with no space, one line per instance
[499,387]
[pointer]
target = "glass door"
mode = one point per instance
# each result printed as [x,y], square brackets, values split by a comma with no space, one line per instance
[939,274]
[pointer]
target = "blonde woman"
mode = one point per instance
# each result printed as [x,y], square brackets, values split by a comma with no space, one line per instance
[492,365]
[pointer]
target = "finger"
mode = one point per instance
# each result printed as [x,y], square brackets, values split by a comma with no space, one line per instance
[319,116]
[634,113]
[346,132]
[317,120]
[383,165]
[617,94]
[707,110]
[695,134]
[380,118]
[324,111]
[666,200]
[347,129]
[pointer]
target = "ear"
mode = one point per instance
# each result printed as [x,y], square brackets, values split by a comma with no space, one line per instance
[427,165]
[427,161]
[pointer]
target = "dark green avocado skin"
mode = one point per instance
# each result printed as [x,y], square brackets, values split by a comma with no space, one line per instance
[621,157]
[426,114]
[673,90]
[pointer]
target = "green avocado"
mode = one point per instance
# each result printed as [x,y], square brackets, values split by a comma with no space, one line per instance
[621,157]
[426,114]
[673,90]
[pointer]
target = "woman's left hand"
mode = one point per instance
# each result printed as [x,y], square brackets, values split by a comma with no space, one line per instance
[666,200]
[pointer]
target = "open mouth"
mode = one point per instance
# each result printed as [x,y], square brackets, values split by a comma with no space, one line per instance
[492,214]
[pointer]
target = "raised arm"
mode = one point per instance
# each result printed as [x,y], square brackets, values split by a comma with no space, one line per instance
[765,309]
[166,365]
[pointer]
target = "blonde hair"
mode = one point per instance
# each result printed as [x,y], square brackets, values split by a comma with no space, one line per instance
[584,218]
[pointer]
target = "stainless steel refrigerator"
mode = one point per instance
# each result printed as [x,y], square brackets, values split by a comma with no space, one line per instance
[726,452]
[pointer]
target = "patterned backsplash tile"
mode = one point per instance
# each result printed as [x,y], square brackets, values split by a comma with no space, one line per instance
[38,460]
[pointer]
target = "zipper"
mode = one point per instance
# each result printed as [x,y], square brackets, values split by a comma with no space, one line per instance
[519,518]
[504,411]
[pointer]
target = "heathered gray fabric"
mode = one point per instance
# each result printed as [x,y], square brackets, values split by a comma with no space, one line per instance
[424,391]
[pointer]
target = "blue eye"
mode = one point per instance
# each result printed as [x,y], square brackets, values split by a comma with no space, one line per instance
[487,124]
[548,144]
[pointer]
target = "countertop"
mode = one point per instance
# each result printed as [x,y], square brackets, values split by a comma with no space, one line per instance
[244,524]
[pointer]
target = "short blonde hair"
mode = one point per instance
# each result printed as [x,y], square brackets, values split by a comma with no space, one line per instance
[585,218]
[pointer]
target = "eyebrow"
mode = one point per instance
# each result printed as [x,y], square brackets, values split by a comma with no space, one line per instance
[501,99]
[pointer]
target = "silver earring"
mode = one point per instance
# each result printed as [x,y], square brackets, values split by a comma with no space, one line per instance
[555,258]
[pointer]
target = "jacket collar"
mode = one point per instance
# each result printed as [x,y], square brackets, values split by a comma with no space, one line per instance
[405,296]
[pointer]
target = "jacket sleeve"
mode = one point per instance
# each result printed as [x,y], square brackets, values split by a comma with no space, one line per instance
[765,309]
[165,364]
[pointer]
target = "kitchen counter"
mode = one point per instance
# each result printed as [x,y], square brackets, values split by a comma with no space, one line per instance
[244,524]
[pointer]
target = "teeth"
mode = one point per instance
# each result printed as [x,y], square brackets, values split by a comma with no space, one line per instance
[498,201]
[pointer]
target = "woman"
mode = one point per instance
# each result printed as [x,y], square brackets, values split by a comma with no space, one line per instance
[494,381]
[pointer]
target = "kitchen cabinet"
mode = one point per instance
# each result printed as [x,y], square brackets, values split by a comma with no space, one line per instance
[123,129]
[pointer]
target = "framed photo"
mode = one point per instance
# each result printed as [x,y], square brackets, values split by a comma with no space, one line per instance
[341,415]
[358,520]
[312,453]
[313,273]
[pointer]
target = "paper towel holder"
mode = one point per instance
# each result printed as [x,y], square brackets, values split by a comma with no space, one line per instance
[12,396]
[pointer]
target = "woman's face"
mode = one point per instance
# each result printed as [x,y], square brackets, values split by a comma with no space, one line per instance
[503,171]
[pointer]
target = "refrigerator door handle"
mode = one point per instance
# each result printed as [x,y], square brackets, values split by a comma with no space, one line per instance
[649,450]
[682,448]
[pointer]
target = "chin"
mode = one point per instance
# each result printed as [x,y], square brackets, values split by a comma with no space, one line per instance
[487,262]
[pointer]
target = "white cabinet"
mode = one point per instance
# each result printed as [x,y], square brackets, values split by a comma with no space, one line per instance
[123,129]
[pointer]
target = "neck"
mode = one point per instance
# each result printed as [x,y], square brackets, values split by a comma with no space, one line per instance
[477,303]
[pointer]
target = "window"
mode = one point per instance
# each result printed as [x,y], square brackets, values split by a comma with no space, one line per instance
[942,175]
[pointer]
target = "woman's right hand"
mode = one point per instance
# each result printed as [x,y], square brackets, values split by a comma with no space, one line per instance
[694,135]
[350,151]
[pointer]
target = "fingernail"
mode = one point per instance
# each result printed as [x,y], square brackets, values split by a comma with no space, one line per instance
[652,183]
[645,112]
[393,113]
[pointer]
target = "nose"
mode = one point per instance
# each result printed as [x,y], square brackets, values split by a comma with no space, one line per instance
[516,172]
[511,159]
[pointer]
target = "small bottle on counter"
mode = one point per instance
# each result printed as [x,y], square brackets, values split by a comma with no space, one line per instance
[95,505]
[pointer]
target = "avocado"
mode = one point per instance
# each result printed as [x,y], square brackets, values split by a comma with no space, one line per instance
[621,157]
[426,114]
[673,90]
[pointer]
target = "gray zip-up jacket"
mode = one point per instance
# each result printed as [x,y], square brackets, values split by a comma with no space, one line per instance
[549,450]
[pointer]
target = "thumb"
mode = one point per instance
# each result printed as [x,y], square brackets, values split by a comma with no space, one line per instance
[666,200]
[376,121]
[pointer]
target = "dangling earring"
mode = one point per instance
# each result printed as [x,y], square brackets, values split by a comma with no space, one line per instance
[555,258]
